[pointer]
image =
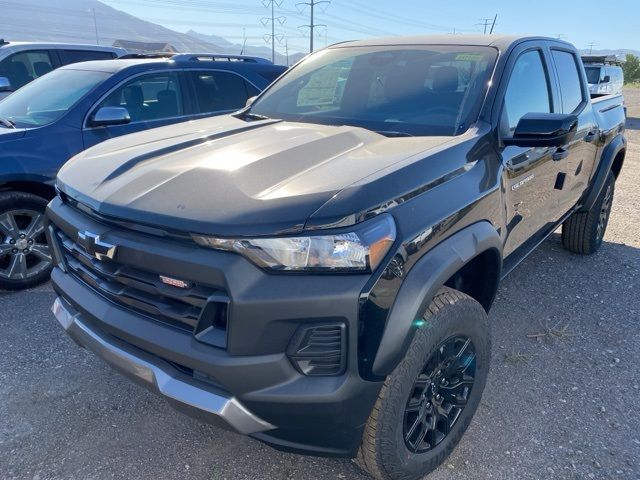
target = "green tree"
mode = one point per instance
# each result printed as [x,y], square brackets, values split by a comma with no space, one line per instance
[631,69]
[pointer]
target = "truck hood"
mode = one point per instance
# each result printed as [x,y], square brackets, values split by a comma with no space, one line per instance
[224,176]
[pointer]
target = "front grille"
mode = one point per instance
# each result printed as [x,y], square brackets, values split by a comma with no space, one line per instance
[319,350]
[141,290]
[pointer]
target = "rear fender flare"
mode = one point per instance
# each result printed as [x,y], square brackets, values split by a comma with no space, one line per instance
[607,158]
[422,283]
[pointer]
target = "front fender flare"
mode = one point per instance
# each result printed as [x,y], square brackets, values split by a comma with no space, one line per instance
[422,283]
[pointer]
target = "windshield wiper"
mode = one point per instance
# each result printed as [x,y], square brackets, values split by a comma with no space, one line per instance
[5,122]
[392,133]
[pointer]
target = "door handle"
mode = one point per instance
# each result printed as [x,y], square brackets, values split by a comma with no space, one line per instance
[590,137]
[559,154]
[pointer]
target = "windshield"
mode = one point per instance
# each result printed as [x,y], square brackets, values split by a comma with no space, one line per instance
[49,97]
[593,75]
[403,90]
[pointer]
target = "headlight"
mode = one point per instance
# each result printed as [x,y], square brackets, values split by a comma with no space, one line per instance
[361,250]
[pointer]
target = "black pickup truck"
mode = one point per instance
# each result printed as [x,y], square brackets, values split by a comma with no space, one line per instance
[316,270]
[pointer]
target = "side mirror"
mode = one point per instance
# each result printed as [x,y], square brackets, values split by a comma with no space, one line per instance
[109,116]
[606,79]
[5,85]
[250,101]
[544,130]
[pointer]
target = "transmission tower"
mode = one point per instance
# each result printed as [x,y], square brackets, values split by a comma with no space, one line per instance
[312,25]
[272,4]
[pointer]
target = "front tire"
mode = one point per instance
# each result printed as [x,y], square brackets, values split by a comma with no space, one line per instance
[428,401]
[583,232]
[25,259]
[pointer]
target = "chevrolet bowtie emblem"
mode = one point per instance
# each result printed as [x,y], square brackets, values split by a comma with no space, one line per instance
[95,247]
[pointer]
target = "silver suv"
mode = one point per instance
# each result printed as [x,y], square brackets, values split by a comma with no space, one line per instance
[22,62]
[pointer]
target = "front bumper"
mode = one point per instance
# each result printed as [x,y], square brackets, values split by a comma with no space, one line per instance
[158,376]
[251,386]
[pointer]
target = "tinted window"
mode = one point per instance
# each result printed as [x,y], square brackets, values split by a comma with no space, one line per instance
[148,97]
[48,98]
[417,90]
[528,89]
[570,83]
[220,91]
[21,68]
[75,56]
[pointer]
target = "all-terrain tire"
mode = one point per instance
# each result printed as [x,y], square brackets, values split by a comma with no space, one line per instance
[384,452]
[583,232]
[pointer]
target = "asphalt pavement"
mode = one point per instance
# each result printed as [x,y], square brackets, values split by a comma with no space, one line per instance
[562,399]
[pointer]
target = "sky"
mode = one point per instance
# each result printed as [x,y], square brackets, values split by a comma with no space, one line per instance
[608,24]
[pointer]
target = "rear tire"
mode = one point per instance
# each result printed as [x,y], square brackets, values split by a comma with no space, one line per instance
[583,232]
[391,449]
[25,259]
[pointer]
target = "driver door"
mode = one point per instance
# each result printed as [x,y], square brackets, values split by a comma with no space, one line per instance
[529,174]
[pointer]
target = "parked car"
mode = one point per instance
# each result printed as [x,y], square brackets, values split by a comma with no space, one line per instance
[74,107]
[604,75]
[23,62]
[316,270]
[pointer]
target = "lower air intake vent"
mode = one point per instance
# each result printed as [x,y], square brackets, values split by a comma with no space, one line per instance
[319,350]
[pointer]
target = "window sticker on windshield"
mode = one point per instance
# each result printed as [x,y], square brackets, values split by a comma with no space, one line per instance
[321,89]
[469,57]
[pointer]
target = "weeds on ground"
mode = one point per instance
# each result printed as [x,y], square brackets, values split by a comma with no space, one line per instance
[555,332]
[515,358]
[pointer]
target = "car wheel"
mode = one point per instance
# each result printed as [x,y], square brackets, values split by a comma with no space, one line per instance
[583,232]
[427,402]
[25,259]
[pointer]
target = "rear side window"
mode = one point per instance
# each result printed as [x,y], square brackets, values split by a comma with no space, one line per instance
[569,78]
[220,91]
[24,67]
[528,90]
[75,56]
[148,97]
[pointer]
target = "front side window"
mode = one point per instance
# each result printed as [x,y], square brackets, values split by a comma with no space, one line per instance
[218,91]
[527,91]
[24,67]
[397,90]
[570,82]
[148,97]
[48,98]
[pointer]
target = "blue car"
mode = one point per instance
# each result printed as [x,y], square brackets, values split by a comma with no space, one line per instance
[77,106]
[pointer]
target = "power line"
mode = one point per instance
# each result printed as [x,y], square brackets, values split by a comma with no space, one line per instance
[591,45]
[312,25]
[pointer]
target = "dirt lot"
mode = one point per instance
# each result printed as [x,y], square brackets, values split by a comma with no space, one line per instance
[564,406]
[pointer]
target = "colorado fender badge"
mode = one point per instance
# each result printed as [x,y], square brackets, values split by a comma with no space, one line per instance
[525,180]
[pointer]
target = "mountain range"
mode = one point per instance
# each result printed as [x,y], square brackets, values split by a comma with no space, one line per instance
[72,21]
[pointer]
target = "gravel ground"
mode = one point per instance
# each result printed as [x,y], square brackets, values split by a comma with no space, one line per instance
[562,406]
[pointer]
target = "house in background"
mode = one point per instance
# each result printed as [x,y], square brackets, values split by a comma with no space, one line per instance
[145,47]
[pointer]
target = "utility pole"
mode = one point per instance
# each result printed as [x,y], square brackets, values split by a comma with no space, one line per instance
[591,45]
[312,25]
[484,22]
[95,25]
[286,49]
[244,40]
[272,4]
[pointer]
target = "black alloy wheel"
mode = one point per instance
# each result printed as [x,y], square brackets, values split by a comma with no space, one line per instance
[439,394]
